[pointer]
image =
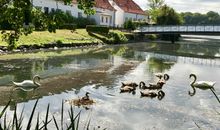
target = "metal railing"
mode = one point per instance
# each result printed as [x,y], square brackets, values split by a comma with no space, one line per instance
[180,28]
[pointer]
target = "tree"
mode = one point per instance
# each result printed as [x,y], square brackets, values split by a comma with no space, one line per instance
[168,16]
[154,10]
[18,14]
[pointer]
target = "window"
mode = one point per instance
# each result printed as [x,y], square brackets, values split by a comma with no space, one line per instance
[46,10]
[134,19]
[102,19]
[79,14]
[110,20]
[106,19]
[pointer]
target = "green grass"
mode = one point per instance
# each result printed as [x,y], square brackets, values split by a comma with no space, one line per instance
[45,37]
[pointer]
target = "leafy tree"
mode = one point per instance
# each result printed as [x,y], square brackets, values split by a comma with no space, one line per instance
[18,14]
[168,16]
[154,10]
[210,17]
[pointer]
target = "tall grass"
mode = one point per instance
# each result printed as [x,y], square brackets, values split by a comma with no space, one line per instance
[16,123]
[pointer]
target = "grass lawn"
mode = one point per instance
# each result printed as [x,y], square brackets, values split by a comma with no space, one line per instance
[45,37]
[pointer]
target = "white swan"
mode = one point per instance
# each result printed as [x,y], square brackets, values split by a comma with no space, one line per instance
[201,84]
[29,83]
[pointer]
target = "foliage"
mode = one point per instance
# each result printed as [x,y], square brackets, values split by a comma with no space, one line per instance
[17,121]
[39,19]
[116,37]
[154,10]
[83,22]
[18,14]
[168,16]
[132,25]
[210,17]
[97,29]
[87,6]
[129,25]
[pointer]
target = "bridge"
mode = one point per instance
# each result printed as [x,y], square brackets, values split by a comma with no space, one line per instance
[179,29]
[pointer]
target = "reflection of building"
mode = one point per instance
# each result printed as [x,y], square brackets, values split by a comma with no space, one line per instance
[108,12]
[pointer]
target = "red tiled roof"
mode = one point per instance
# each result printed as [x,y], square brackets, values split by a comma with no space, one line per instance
[104,4]
[129,6]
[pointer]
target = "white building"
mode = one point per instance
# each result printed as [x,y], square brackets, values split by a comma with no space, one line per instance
[108,12]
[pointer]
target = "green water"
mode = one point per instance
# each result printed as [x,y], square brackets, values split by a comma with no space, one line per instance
[100,71]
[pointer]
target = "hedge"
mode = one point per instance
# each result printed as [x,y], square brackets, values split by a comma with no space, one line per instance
[97,29]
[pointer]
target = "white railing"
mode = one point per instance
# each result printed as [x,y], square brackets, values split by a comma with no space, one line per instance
[181,28]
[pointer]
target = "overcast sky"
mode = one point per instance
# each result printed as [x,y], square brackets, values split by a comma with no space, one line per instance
[201,6]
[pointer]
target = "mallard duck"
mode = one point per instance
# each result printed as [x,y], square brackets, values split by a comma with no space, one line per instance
[127,89]
[29,83]
[164,76]
[81,101]
[200,84]
[131,84]
[152,94]
[142,85]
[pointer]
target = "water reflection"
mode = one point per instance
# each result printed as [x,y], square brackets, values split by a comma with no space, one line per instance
[100,72]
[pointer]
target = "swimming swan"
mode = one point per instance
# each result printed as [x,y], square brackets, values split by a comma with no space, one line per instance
[28,83]
[201,84]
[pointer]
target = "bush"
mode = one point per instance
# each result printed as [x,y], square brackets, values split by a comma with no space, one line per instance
[97,29]
[83,22]
[129,25]
[39,20]
[116,38]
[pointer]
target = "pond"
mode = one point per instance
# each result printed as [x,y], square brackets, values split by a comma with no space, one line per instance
[69,74]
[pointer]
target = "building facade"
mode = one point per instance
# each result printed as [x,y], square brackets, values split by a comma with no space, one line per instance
[108,12]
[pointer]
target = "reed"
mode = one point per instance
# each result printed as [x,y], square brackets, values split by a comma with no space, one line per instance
[17,122]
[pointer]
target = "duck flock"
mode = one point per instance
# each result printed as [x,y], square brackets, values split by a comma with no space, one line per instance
[152,90]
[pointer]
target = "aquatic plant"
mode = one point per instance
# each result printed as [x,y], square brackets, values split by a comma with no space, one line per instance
[17,121]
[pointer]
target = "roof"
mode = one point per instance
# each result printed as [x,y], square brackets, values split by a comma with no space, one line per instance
[129,6]
[104,4]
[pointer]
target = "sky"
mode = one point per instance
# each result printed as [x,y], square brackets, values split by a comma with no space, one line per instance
[201,6]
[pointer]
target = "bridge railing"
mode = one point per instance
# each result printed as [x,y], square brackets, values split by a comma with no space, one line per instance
[180,28]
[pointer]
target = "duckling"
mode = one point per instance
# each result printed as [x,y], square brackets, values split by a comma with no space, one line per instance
[142,85]
[164,76]
[127,89]
[146,93]
[158,85]
[131,84]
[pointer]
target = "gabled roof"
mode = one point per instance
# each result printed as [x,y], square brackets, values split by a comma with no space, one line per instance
[129,6]
[104,4]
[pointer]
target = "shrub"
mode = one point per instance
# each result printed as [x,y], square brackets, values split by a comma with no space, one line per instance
[129,25]
[83,22]
[97,29]
[116,37]
[39,20]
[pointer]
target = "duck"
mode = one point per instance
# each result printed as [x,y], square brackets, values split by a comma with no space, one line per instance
[152,94]
[157,85]
[29,83]
[142,85]
[81,101]
[201,84]
[131,84]
[127,89]
[164,76]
